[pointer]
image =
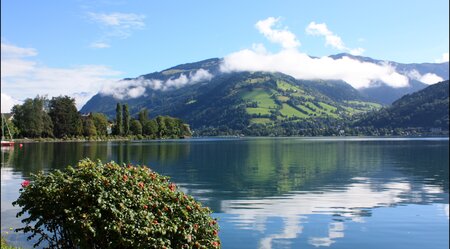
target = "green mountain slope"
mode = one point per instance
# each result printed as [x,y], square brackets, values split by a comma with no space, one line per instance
[240,100]
[246,101]
[427,108]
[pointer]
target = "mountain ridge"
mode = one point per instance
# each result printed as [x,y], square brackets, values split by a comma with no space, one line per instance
[204,96]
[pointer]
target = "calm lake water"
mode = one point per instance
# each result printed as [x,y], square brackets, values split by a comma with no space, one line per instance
[280,192]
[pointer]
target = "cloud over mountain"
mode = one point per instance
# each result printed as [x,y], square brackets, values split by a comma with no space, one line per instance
[301,66]
[134,88]
[291,61]
[428,78]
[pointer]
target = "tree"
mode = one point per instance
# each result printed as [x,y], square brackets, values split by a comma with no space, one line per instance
[27,119]
[126,120]
[136,127]
[172,127]
[89,129]
[65,117]
[118,129]
[143,116]
[101,123]
[162,129]
[48,125]
[150,128]
[31,119]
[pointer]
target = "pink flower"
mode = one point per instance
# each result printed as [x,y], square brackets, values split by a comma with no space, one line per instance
[25,183]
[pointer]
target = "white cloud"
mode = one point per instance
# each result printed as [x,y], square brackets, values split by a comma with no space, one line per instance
[259,48]
[177,82]
[321,29]
[99,45]
[12,60]
[118,24]
[134,88]
[183,79]
[200,75]
[356,51]
[16,67]
[25,78]
[428,78]
[444,58]
[284,37]
[136,92]
[124,89]
[8,102]
[12,51]
[301,66]
[119,19]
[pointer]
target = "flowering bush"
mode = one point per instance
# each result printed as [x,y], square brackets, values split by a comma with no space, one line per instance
[99,205]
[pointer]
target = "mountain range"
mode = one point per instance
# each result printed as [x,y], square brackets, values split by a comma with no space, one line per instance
[204,96]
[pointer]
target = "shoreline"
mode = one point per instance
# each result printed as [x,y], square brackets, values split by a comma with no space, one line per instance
[119,139]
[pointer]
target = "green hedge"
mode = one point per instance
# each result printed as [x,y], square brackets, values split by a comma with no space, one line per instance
[97,205]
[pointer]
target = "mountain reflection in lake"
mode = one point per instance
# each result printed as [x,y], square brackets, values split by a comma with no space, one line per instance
[283,192]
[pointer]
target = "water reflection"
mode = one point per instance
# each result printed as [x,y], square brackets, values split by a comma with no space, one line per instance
[354,203]
[279,193]
[335,231]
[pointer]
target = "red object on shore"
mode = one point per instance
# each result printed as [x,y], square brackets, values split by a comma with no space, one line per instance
[7,143]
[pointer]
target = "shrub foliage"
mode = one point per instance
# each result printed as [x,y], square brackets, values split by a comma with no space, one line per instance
[97,205]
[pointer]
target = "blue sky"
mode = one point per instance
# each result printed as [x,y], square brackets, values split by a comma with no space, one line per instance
[76,47]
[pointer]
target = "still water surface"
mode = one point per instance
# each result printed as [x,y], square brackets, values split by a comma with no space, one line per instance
[280,192]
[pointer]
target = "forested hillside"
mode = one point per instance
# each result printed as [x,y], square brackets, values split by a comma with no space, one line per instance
[427,108]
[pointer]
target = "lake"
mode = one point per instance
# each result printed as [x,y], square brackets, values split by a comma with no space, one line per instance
[280,192]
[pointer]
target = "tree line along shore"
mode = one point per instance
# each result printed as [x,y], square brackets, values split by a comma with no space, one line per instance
[57,119]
